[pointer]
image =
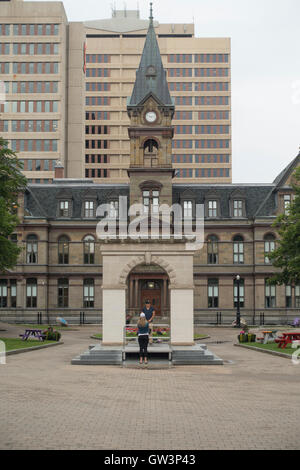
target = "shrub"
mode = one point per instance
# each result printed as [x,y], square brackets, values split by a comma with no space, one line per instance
[51,335]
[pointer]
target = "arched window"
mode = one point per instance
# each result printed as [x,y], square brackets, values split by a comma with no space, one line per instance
[89,250]
[238,250]
[212,249]
[63,250]
[31,249]
[150,153]
[269,246]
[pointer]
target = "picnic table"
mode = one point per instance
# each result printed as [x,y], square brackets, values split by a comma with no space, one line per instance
[32,332]
[268,335]
[287,338]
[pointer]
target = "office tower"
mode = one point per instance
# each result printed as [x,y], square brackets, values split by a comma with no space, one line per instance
[198,73]
[67,86]
[43,79]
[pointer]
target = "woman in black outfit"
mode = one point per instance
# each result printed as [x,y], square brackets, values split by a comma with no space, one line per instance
[143,336]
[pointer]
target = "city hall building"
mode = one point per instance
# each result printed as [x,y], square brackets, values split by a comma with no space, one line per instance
[66,270]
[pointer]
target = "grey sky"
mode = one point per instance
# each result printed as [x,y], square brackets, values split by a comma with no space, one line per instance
[265,70]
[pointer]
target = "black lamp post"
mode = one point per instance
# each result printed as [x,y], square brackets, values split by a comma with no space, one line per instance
[238,310]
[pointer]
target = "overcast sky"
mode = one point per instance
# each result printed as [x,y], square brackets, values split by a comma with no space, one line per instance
[265,70]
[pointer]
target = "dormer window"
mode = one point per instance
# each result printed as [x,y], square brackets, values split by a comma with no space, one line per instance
[89,209]
[188,209]
[114,209]
[64,208]
[238,208]
[212,208]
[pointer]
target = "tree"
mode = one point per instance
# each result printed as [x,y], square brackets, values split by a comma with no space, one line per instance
[286,256]
[12,182]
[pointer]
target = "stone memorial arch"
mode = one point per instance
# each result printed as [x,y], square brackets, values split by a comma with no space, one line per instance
[120,258]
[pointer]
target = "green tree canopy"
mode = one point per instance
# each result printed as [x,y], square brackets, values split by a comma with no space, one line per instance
[12,182]
[287,253]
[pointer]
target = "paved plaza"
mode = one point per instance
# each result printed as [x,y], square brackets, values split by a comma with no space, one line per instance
[252,402]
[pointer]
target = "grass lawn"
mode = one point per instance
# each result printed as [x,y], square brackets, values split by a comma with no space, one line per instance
[41,327]
[18,343]
[272,347]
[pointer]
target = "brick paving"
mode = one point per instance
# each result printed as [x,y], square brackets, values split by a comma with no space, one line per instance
[252,402]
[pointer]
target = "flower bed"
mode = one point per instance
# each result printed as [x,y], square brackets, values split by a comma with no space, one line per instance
[157,332]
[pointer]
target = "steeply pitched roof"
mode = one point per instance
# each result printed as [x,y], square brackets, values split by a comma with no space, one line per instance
[151,77]
[41,200]
[283,176]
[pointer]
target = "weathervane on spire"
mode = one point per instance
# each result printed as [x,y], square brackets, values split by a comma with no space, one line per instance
[151,12]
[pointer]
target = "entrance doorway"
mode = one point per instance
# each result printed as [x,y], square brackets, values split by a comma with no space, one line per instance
[148,282]
[151,290]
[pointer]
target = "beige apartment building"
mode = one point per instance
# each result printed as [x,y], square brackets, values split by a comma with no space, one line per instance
[67,86]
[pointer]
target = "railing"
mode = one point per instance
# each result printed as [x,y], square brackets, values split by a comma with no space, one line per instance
[166,339]
[252,319]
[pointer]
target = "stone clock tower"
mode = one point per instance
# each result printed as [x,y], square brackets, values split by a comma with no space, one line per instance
[151,110]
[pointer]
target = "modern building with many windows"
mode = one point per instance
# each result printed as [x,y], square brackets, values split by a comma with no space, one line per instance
[67,85]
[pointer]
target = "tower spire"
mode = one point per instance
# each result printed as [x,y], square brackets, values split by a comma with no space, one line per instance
[151,14]
[151,76]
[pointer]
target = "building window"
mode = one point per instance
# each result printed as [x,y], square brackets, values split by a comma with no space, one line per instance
[13,293]
[88,293]
[188,209]
[242,293]
[212,250]
[114,209]
[212,208]
[151,201]
[31,293]
[287,203]
[31,249]
[288,296]
[3,293]
[269,247]
[89,250]
[238,250]
[213,293]
[64,209]
[270,296]
[63,250]
[63,293]
[237,208]
[89,209]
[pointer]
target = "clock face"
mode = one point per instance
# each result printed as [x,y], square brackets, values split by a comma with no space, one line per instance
[151,116]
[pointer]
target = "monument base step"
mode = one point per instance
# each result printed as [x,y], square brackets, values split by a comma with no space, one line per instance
[160,356]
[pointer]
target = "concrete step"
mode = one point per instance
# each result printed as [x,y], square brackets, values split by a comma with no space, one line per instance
[96,361]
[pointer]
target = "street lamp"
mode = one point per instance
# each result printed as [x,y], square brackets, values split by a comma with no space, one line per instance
[238,311]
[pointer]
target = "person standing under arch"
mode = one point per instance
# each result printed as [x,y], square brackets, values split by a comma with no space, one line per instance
[149,312]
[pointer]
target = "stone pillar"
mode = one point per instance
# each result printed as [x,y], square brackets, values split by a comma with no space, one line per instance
[136,296]
[182,317]
[114,319]
[131,293]
[165,294]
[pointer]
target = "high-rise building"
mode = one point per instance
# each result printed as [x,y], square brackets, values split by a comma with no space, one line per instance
[67,86]
[198,74]
[41,70]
